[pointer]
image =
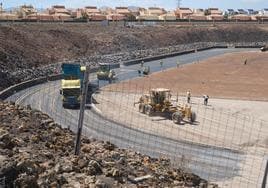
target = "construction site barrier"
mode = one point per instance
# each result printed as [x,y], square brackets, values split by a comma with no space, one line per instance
[136,61]
[256,46]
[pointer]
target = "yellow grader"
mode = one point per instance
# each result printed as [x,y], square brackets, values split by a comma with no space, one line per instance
[159,100]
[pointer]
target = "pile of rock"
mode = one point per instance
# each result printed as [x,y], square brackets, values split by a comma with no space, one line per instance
[35,151]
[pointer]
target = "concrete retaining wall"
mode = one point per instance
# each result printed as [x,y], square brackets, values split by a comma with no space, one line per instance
[136,61]
[21,86]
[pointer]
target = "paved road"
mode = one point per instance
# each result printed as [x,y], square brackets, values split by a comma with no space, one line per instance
[212,163]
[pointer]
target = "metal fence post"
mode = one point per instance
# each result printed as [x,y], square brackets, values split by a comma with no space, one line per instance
[264,181]
[82,110]
[3,182]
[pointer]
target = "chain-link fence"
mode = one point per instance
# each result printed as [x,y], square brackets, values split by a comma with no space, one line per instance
[225,144]
[2,182]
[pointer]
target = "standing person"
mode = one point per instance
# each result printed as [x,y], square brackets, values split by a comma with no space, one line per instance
[188,96]
[142,63]
[178,64]
[206,97]
[161,64]
[245,62]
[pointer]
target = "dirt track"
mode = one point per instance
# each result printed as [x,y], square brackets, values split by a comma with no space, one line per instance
[224,76]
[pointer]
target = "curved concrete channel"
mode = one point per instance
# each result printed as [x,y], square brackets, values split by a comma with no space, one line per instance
[212,163]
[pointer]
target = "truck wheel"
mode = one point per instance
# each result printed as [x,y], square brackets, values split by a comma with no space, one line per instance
[141,108]
[193,117]
[176,117]
[148,110]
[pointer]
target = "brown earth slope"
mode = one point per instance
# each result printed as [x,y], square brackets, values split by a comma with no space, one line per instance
[29,45]
[225,76]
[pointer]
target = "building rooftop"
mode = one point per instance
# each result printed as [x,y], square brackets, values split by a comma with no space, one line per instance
[29,9]
[122,10]
[154,8]
[184,10]
[59,6]
[91,9]
[214,11]
[60,9]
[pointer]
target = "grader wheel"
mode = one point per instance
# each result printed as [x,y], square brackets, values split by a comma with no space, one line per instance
[148,110]
[177,117]
[193,117]
[141,108]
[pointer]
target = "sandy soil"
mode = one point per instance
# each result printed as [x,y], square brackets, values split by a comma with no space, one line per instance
[223,76]
[235,124]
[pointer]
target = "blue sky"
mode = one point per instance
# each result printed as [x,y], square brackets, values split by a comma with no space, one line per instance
[168,4]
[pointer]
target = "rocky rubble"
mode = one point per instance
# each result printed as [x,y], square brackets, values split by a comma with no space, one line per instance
[36,152]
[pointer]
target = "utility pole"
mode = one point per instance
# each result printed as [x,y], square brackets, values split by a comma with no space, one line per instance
[264,180]
[1,7]
[82,110]
[179,4]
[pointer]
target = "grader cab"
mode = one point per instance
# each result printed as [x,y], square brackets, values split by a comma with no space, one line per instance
[159,100]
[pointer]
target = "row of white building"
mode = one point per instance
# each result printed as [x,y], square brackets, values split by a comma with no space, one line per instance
[59,12]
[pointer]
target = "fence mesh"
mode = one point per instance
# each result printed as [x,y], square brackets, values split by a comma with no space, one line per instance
[2,182]
[226,144]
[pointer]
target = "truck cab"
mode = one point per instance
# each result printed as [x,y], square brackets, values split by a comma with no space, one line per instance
[71,85]
[71,93]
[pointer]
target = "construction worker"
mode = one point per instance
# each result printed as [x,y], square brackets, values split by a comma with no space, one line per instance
[161,64]
[188,96]
[142,63]
[139,72]
[245,62]
[178,64]
[206,97]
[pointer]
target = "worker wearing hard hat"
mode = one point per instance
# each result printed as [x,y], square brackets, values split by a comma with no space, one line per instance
[206,97]
[188,96]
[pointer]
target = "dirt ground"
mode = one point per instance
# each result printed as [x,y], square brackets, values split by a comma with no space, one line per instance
[235,124]
[225,76]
